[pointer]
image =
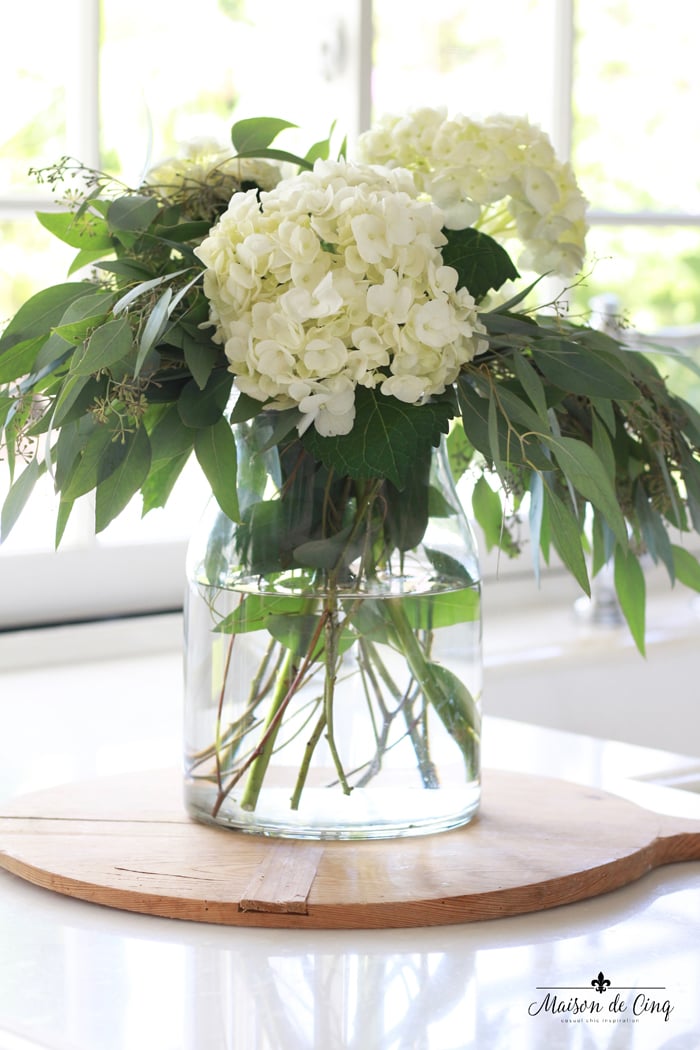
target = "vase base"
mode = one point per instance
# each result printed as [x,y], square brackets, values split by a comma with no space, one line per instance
[394,812]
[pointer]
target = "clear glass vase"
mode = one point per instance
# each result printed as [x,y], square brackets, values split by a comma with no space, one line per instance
[332,651]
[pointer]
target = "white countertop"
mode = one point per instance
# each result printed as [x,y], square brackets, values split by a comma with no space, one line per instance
[79,702]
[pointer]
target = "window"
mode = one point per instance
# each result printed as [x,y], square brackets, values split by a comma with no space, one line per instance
[616,87]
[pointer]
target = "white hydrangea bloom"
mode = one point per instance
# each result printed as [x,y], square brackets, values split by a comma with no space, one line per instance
[335,279]
[205,174]
[469,166]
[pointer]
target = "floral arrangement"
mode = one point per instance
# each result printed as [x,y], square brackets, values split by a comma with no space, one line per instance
[345,288]
[360,305]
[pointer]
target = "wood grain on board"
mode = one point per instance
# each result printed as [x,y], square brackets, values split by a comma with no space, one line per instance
[126,842]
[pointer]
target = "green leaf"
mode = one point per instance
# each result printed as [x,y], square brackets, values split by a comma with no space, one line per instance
[535,519]
[631,592]
[429,612]
[134,212]
[482,264]
[245,408]
[460,452]
[170,436]
[89,463]
[582,372]
[457,711]
[257,132]
[254,611]
[140,289]
[654,532]
[65,506]
[488,511]
[109,343]
[87,230]
[204,408]
[215,449]
[85,257]
[334,552]
[584,470]
[565,534]
[39,315]
[277,154]
[687,567]
[485,427]
[602,446]
[297,634]
[70,394]
[20,491]
[201,359]
[454,572]
[20,358]
[161,480]
[153,329]
[531,384]
[113,493]
[407,509]
[386,439]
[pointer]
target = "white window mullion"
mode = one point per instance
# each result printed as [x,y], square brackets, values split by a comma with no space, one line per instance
[562,77]
[83,86]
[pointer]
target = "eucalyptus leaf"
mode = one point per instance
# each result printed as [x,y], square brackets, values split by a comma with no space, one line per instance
[488,511]
[125,479]
[153,329]
[85,257]
[582,372]
[16,499]
[161,480]
[38,316]
[109,343]
[531,384]
[631,593]
[254,610]
[687,568]
[133,212]
[565,533]
[204,408]
[584,470]
[330,553]
[86,231]
[215,449]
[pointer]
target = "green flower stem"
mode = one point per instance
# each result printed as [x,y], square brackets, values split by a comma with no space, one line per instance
[404,702]
[331,630]
[306,760]
[284,689]
[455,712]
[288,683]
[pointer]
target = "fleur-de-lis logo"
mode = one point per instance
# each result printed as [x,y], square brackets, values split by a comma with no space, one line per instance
[600,983]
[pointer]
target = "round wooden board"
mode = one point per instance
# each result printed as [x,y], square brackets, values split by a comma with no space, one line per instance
[125,842]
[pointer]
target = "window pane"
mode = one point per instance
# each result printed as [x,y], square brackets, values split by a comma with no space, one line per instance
[655,273]
[637,95]
[37,88]
[30,259]
[217,61]
[473,58]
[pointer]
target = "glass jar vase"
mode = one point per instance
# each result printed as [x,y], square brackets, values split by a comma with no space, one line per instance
[332,650]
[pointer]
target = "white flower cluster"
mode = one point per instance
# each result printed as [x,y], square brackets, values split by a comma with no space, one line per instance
[467,166]
[335,278]
[204,175]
